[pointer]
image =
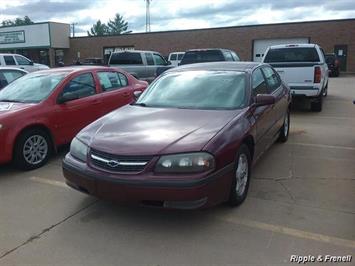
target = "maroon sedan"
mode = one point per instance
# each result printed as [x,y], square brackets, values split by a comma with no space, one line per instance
[188,142]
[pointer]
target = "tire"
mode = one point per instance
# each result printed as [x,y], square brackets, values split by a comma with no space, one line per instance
[285,129]
[316,105]
[239,190]
[325,91]
[32,149]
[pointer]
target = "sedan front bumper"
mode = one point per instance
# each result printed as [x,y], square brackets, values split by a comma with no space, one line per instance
[163,192]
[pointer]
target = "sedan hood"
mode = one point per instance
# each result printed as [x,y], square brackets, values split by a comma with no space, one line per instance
[135,130]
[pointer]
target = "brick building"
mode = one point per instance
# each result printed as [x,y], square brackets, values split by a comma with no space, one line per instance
[333,35]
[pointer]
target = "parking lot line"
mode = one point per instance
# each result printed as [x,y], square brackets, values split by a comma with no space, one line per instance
[321,146]
[291,232]
[48,181]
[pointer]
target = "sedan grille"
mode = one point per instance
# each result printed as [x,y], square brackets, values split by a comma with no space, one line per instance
[118,163]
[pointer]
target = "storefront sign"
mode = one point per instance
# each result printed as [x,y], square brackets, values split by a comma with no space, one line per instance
[12,37]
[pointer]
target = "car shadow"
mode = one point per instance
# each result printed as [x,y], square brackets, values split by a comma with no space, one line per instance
[113,213]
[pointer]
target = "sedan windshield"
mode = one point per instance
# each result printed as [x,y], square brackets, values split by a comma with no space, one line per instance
[197,90]
[32,88]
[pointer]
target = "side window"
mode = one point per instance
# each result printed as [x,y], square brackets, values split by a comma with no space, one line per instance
[180,56]
[123,79]
[9,60]
[22,61]
[149,58]
[3,80]
[228,56]
[11,75]
[173,56]
[272,79]
[109,81]
[235,56]
[159,60]
[81,86]
[259,83]
[323,54]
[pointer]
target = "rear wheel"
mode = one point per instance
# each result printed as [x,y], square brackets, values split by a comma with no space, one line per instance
[316,105]
[32,149]
[284,131]
[242,171]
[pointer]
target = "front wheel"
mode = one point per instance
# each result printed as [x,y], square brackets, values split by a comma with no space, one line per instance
[325,91]
[242,171]
[32,149]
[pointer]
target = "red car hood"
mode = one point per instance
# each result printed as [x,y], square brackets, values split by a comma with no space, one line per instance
[135,130]
[9,108]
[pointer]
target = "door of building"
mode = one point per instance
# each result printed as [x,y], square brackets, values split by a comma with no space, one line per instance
[341,51]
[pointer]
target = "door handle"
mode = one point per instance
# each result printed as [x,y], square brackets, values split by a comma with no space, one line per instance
[126,94]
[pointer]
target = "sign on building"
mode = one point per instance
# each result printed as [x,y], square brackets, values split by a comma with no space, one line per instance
[12,37]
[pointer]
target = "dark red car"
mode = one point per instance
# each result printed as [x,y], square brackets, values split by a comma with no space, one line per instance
[188,142]
[45,109]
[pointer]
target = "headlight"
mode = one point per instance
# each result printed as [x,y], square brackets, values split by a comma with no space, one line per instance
[78,150]
[1,126]
[185,163]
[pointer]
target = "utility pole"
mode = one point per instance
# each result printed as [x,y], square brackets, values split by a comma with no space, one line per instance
[73,28]
[147,15]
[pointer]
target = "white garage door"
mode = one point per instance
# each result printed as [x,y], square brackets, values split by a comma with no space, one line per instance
[260,46]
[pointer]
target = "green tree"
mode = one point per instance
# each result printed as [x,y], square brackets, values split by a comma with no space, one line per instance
[98,29]
[17,22]
[118,25]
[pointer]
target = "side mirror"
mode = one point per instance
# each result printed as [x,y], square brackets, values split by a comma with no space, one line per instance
[67,97]
[264,99]
[136,95]
[168,63]
[31,63]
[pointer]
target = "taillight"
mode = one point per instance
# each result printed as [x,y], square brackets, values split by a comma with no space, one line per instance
[336,62]
[317,74]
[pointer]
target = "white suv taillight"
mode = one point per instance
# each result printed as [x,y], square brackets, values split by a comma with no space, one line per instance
[317,74]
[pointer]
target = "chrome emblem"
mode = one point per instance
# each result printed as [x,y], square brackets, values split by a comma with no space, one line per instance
[113,163]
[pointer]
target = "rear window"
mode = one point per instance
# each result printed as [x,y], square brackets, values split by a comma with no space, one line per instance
[292,55]
[126,58]
[202,56]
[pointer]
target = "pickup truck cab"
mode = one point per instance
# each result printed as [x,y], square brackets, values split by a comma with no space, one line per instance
[140,64]
[19,61]
[303,68]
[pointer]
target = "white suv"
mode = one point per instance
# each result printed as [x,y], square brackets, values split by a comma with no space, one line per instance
[303,68]
[19,61]
[175,58]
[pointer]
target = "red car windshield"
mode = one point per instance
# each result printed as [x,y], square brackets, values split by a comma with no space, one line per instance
[31,88]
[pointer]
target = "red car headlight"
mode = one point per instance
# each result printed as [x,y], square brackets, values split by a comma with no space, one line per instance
[185,163]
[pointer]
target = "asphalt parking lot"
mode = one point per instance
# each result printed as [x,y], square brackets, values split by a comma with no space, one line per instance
[301,202]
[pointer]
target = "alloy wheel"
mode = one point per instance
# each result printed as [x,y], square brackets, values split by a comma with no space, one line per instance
[35,149]
[242,174]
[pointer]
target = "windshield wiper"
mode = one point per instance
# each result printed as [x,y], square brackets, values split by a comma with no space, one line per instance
[10,101]
[139,104]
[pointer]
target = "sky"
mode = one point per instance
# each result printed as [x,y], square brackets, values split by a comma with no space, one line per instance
[176,14]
